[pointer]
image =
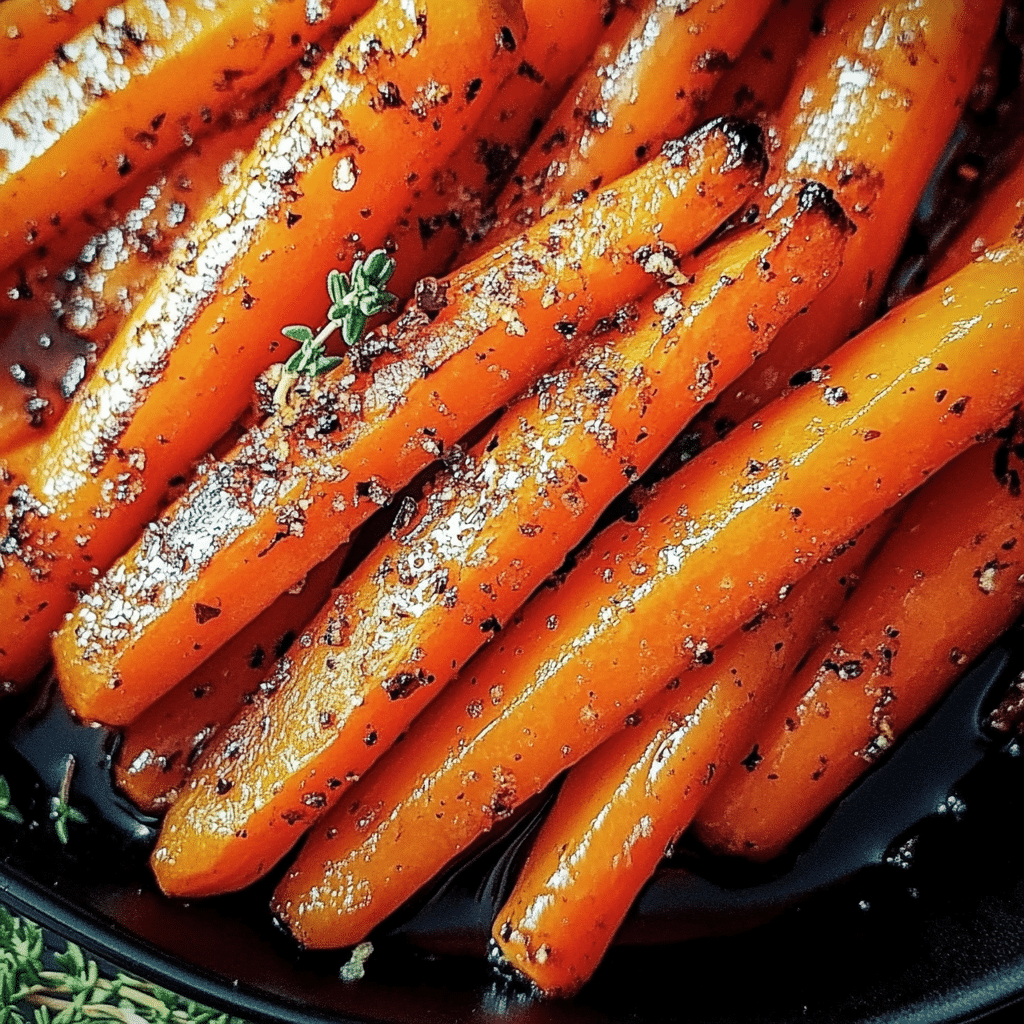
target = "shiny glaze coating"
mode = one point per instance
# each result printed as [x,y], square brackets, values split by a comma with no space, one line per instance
[117,102]
[294,489]
[31,30]
[456,205]
[945,585]
[648,81]
[489,532]
[181,369]
[79,288]
[869,114]
[620,810]
[730,532]
[159,749]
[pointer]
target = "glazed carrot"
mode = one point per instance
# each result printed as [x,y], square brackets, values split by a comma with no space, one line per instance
[648,81]
[67,300]
[160,747]
[453,208]
[181,369]
[299,488]
[758,81]
[946,584]
[129,91]
[490,532]
[869,114]
[32,30]
[735,526]
[626,803]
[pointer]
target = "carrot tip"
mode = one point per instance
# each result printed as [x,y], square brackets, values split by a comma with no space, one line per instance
[816,196]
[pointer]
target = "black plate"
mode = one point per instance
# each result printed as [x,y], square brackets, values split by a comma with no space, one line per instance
[906,904]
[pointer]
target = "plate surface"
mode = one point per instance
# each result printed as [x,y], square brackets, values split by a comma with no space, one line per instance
[906,905]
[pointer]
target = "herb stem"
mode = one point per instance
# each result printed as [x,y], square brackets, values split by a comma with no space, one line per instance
[103,1011]
[289,377]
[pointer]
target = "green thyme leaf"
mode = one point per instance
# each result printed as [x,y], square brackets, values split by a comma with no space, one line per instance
[7,809]
[61,812]
[298,332]
[77,992]
[355,297]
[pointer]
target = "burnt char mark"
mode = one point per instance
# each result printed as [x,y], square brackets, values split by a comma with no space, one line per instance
[745,140]
[815,196]
[711,62]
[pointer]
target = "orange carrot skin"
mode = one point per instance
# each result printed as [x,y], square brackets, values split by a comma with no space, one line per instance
[181,369]
[947,583]
[869,114]
[356,441]
[628,801]
[31,30]
[134,88]
[78,289]
[652,597]
[159,748]
[760,78]
[454,207]
[492,530]
[648,81]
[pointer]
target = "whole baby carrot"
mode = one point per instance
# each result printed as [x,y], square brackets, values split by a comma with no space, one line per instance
[490,532]
[628,801]
[181,369]
[303,481]
[869,113]
[127,92]
[945,585]
[32,30]
[159,749]
[648,81]
[732,529]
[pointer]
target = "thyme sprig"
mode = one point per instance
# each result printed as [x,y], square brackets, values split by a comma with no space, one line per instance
[7,808]
[355,297]
[61,812]
[76,993]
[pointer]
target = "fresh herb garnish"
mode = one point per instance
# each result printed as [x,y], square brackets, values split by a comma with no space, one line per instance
[75,993]
[354,299]
[7,809]
[61,811]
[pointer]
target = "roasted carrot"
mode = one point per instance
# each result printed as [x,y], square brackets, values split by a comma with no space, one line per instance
[626,803]
[357,438]
[68,299]
[491,531]
[945,585]
[130,90]
[455,204]
[160,747]
[181,369]
[735,526]
[648,81]
[32,30]
[758,81]
[869,113]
